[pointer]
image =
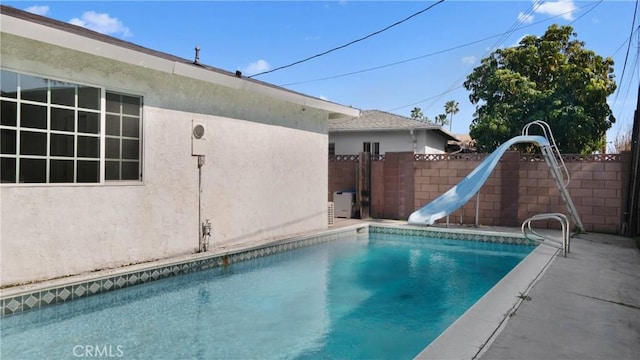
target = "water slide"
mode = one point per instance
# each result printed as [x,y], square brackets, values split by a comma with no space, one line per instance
[458,195]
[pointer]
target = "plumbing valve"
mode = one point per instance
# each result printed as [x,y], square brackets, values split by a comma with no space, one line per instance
[206,228]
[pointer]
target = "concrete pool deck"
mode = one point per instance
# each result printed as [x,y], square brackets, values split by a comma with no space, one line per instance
[584,306]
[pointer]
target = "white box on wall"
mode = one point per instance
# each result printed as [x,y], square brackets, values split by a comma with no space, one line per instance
[343,204]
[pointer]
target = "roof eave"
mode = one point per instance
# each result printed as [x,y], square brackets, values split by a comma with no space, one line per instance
[447,134]
[382,129]
[19,23]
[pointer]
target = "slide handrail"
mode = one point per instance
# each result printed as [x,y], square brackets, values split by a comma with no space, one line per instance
[553,153]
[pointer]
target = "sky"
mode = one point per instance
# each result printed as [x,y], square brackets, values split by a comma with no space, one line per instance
[389,55]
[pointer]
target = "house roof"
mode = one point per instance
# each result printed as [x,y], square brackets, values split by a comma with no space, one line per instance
[376,120]
[40,28]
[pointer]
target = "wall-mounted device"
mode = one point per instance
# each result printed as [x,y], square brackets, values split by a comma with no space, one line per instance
[198,139]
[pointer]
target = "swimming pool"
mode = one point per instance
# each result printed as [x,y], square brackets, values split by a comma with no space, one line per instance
[362,297]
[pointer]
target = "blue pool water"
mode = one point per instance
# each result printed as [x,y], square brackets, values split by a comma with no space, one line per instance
[374,297]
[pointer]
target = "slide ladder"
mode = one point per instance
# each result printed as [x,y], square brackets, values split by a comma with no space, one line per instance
[558,168]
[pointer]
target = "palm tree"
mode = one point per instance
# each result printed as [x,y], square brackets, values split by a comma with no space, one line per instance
[451,107]
[416,113]
[442,119]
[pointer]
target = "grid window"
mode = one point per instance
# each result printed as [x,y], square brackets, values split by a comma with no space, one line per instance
[51,132]
[123,145]
[372,148]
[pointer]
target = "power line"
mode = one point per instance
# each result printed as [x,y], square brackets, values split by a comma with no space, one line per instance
[331,77]
[349,43]
[621,46]
[588,11]
[427,99]
[626,57]
[514,26]
[508,33]
[634,71]
[392,64]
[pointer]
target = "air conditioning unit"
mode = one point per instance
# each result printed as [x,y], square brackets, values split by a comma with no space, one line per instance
[343,203]
[198,139]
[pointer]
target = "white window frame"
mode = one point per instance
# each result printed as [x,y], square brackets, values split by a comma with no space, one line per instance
[121,137]
[48,131]
[373,146]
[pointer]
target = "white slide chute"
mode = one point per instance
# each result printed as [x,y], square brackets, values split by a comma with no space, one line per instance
[458,195]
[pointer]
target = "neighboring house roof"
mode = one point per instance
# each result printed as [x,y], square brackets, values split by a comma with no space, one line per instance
[465,138]
[464,144]
[131,53]
[376,120]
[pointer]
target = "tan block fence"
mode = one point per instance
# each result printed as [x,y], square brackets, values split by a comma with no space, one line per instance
[519,187]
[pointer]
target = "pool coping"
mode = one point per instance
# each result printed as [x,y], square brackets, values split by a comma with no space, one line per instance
[465,338]
[473,332]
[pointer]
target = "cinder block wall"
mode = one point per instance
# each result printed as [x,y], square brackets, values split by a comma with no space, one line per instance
[520,186]
[342,176]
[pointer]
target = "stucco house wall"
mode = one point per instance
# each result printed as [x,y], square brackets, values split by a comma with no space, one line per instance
[265,172]
[393,133]
[428,142]
[420,142]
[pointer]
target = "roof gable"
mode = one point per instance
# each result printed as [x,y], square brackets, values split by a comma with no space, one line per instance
[376,120]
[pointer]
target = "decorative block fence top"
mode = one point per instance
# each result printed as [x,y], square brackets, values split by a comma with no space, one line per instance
[482,156]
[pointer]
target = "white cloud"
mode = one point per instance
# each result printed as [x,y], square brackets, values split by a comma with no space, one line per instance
[520,39]
[563,8]
[38,9]
[102,23]
[469,60]
[324,98]
[525,18]
[256,67]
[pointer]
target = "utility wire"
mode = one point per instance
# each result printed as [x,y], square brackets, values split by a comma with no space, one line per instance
[427,99]
[392,64]
[514,26]
[504,36]
[621,46]
[423,56]
[508,33]
[350,43]
[626,57]
[588,11]
[634,68]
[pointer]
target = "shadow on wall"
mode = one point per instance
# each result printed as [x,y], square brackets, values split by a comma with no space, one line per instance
[260,234]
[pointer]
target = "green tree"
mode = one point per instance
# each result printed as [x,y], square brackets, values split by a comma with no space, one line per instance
[551,78]
[451,107]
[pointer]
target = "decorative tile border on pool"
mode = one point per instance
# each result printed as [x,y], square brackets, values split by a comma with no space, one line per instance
[38,298]
[74,289]
[452,234]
